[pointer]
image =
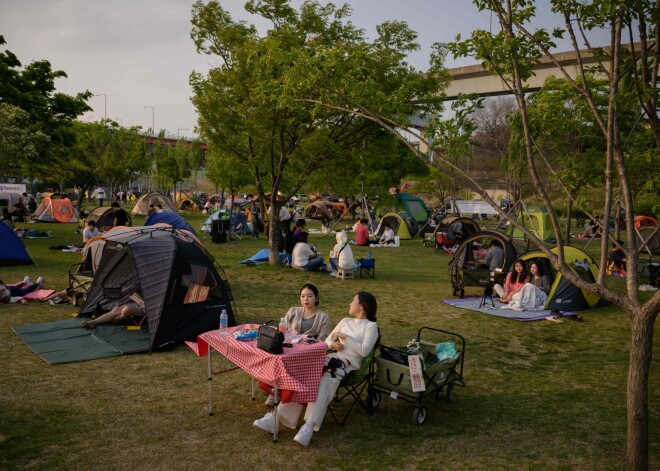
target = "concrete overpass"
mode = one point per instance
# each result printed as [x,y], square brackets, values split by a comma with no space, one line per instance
[475,79]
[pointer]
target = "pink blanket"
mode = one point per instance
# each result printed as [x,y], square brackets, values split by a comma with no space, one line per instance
[38,294]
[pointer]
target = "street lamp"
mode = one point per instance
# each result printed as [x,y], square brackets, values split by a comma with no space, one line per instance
[178,131]
[105,105]
[153,126]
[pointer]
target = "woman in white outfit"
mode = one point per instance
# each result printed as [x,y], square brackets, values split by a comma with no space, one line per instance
[352,340]
[341,255]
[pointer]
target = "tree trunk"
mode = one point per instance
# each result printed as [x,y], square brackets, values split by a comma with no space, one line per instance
[569,211]
[641,351]
[274,231]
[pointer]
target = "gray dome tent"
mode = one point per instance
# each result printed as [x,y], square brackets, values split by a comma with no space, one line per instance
[184,290]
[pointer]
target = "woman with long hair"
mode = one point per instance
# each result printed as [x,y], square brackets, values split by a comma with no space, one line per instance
[350,341]
[515,281]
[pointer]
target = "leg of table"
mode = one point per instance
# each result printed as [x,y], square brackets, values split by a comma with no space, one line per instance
[276,392]
[210,371]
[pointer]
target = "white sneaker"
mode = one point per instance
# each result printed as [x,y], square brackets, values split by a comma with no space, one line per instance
[27,280]
[333,273]
[304,435]
[266,423]
[40,281]
[270,401]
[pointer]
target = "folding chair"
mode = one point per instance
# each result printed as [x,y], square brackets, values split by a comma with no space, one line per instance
[353,385]
[367,266]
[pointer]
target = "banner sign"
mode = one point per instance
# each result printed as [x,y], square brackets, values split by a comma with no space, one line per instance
[13,188]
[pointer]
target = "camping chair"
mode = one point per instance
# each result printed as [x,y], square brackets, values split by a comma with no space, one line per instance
[367,266]
[237,231]
[79,283]
[353,385]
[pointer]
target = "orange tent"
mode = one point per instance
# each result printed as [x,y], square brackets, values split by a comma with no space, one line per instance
[56,210]
[643,221]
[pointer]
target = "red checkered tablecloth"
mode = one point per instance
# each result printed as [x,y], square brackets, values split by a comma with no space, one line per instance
[298,369]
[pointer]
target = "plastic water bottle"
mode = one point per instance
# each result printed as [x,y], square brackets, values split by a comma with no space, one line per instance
[282,326]
[223,322]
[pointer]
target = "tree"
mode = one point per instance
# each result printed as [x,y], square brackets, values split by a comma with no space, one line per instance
[249,105]
[17,143]
[511,54]
[32,89]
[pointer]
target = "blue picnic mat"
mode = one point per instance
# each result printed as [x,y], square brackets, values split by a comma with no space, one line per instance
[472,304]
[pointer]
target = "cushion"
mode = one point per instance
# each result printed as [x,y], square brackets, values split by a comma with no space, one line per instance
[196,293]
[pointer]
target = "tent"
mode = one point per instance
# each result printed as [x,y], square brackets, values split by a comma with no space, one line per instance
[12,250]
[564,295]
[319,210]
[222,213]
[467,267]
[410,204]
[404,225]
[645,221]
[537,220]
[184,290]
[104,217]
[170,218]
[444,232]
[8,200]
[190,203]
[152,197]
[56,210]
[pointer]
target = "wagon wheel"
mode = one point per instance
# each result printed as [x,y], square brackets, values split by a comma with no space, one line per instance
[449,393]
[373,400]
[419,415]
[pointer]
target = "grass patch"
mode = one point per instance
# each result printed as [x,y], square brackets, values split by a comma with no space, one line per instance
[539,395]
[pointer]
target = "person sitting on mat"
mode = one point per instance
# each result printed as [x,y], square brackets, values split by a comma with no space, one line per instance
[135,307]
[19,289]
[352,340]
[495,256]
[534,294]
[514,282]
[305,257]
[388,237]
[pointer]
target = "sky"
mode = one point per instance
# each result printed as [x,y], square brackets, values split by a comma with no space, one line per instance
[137,55]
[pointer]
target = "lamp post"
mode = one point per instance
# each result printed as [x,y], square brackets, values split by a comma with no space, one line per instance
[153,126]
[178,132]
[105,105]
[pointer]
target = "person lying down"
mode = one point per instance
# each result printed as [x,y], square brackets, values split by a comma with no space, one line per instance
[133,308]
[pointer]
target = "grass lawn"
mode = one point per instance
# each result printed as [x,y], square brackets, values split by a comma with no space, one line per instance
[539,395]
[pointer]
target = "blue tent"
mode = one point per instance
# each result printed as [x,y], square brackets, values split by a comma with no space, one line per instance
[12,250]
[262,257]
[168,217]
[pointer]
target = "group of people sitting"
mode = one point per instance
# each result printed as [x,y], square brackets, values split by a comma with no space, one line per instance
[523,291]
[349,342]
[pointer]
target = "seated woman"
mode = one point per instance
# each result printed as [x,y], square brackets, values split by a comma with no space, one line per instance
[362,233]
[135,307]
[341,255]
[533,295]
[388,237]
[352,340]
[514,282]
[306,258]
[617,262]
[19,289]
[306,320]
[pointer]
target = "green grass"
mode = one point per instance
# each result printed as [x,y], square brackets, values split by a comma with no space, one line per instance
[539,395]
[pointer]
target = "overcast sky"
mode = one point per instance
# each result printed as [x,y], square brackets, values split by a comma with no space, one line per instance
[138,53]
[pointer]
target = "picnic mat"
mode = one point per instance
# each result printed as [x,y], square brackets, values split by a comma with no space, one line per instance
[65,341]
[472,304]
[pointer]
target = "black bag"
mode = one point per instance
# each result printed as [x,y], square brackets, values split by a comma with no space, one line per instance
[270,339]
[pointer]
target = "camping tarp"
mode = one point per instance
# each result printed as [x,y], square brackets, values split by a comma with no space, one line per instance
[12,250]
[473,207]
[66,341]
